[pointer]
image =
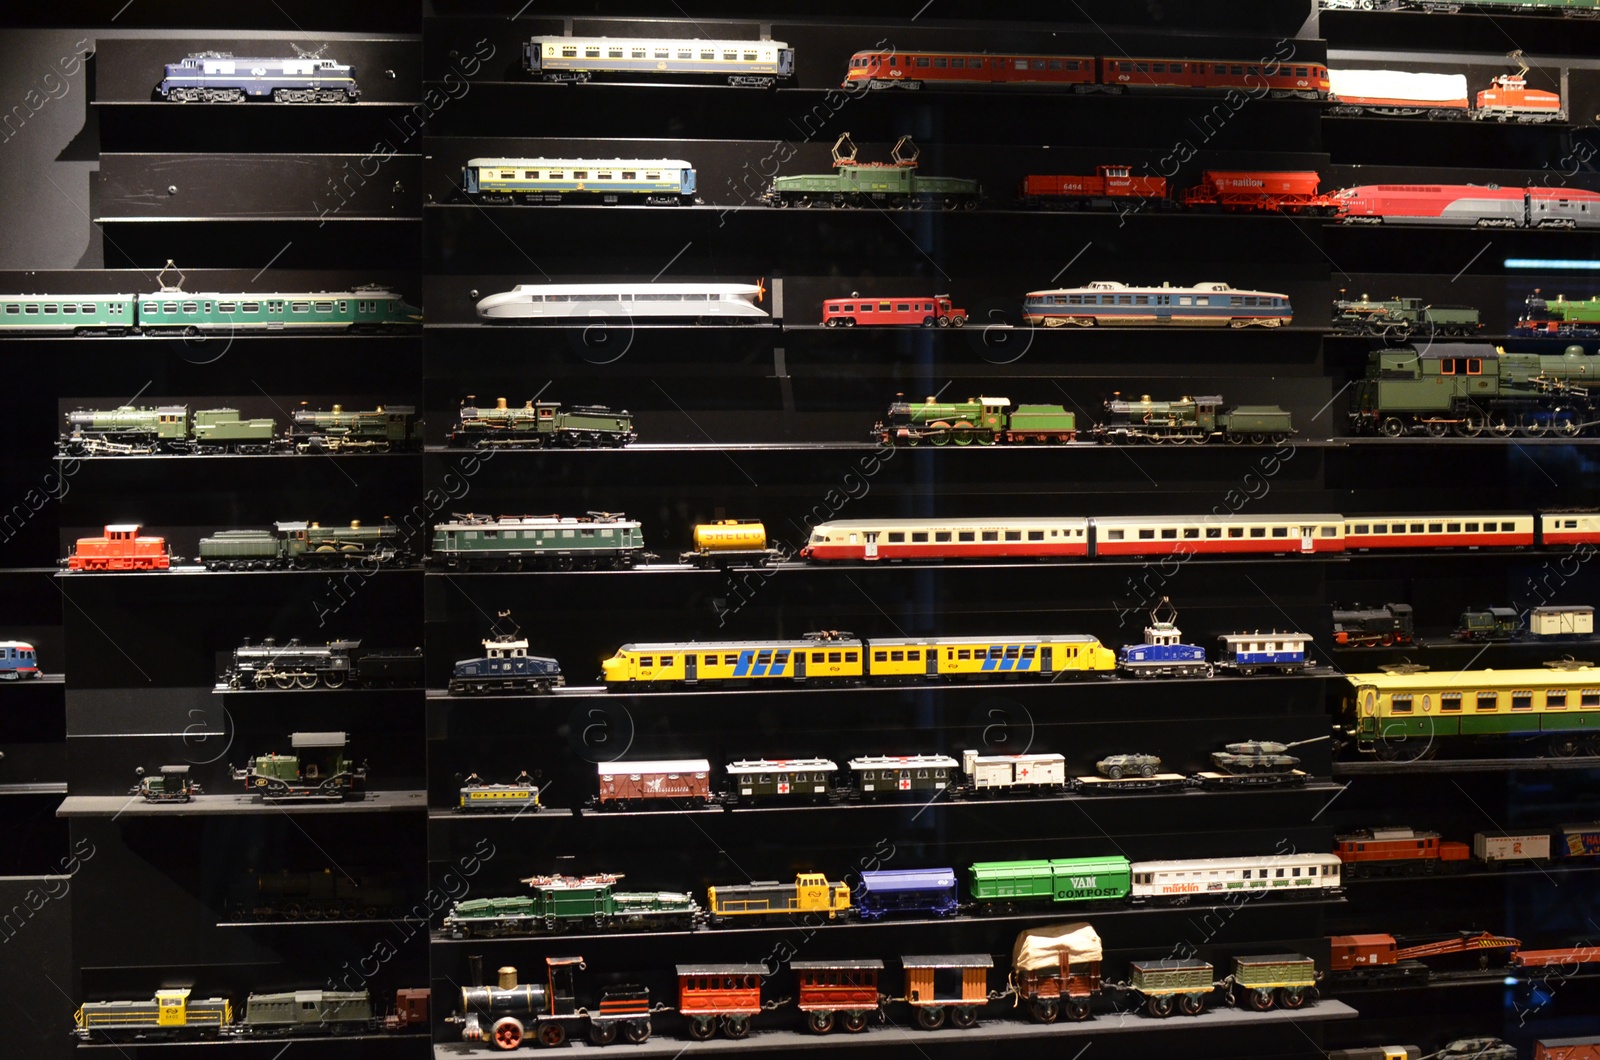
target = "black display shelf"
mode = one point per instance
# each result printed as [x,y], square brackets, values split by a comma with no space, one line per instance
[114,806]
[988,1033]
[1465,765]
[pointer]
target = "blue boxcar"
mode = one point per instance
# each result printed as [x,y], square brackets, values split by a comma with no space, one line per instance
[1247,653]
[924,892]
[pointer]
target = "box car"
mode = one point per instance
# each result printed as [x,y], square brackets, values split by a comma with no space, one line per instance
[1497,848]
[1549,621]
[956,986]
[1180,982]
[1568,1049]
[1351,952]
[624,784]
[1008,883]
[1580,841]
[725,995]
[1033,771]
[924,892]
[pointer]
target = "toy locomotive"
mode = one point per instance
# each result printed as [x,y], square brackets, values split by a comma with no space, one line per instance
[332,665]
[221,77]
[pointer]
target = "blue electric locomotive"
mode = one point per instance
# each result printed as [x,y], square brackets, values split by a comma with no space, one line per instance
[219,77]
[1163,654]
[911,892]
[506,667]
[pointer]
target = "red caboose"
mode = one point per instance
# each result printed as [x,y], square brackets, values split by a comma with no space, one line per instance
[1378,851]
[1247,191]
[1109,186]
[410,1010]
[710,995]
[120,549]
[830,990]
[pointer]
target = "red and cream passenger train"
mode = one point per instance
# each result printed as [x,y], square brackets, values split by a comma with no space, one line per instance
[1085,537]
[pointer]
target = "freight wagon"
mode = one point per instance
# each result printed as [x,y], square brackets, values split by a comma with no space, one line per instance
[672,784]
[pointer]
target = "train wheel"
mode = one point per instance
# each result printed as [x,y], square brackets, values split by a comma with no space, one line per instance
[1289,997]
[1391,427]
[1234,439]
[305,680]
[736,1027]
[506,1033]
[930,1017]
[1535,425]
[963,433]
[1471,424]
[849,322]
[1191,1004]
[1567,425]
[855,1022]
[940,433]
[261,680]
[1435,429]
[1159,1007]
[1565,746]
[1044,1009]
[637,1031]
[1077,1011]
[963,1017]
[284,681]
[333,679]
[701,1028]
[1261,1000]
[552,1034]
[819,1022]
[1499,424]
[927,322]
[1200,439]
[832,322]
[603,1033]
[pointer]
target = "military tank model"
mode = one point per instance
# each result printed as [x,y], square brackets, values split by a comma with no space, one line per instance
[1116,767]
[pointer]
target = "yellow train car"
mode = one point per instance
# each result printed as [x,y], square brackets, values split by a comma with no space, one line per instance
[1414,715]
[169,1014]
[988,658]
[769,662]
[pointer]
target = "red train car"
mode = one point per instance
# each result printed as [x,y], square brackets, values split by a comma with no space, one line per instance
[631,784]
[842,991]
[1261,191]
[1568,1049]
[120,549]
[1108,188]
[924,309]
[1084,73]
[1350,952]
[1384,851]
[725,995]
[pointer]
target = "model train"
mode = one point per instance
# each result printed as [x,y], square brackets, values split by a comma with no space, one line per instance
[1413,714]
[1107,303]
[304,545]
[1112,537]
[330,894]
[590,303]
[19,661]
[1398,94]
[332,665]
[1579,318]
[170,783]
[924,310]
[1374,627]
[1085,73]
[895,184]
[1196,420]
[1055,970]
[1485,205]
[743,63]
[120,548]
[1400,318]
[221,77]
[541,425]
[1470,389]
[519,795]
[599,540]
[130,430]
[565,904]
[989,420]
[173,1014]
[1571,8]
[1401,851]
[985,420]
[317,770]
[554,181]
[1292,192]
[505,667]
[173,311]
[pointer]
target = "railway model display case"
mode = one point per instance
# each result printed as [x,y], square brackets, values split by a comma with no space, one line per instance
[685,531]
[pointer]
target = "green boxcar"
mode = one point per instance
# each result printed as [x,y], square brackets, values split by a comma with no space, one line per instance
[1005,883]
[515,542]
[328,1010]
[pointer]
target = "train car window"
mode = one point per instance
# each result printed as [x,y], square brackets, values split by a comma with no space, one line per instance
[897,537]
[1521,700]
[1433,528]
[919,537]
[191,307]
[749,57]
[169,308]
[1474,366]
[1011,651]
[1036,64]
[708,56]
[227,307]
[1471,528]
[1053,64]
[1147,535]
[903,307]
[1035,535]
[663,53]
[630,174]
[1141,68]
[1114,535]
[1258,531]
[1213,532]
[1400,704]
[1450,702]
[942,536]
[1508,527]
[637,53]
[1169,533]
[1452,528]
[733,660]
[1278,873]
[68,307]
[991,535]
[647,660]
[1255,70]
[880,656]
[569,53]
[1190,533]
[1554,699]
[1013,535]
[1487,701]
[897,656]
[1280,531]
[965,535]
[1589,697]
[299,307]
[1236,70]
[849,657]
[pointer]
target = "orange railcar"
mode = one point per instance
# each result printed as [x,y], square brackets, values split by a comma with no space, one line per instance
[846,991]
[725,995]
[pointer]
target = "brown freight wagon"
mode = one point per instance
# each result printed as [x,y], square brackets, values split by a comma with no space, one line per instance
[631,784]
[1568,1049]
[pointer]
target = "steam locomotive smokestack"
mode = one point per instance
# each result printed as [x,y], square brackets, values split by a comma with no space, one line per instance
[475,969]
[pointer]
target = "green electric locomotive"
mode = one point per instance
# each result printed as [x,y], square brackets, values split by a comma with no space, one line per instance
[1191,419]
[985,420]
[893,184]
[599,540]
[304,545]
[1472,389]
